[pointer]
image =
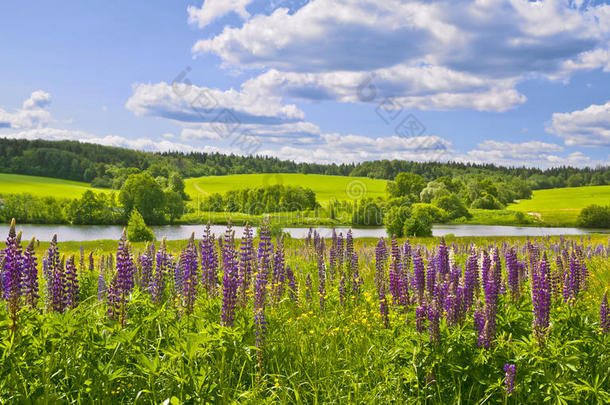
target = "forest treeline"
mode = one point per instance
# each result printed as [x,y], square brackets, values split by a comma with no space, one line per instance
[105,166]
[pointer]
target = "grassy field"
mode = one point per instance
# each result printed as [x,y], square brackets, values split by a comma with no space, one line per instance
[43,186]
[171,340]
[325,187]
[561,206]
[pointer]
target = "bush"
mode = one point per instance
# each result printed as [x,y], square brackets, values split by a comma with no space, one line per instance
[452,204]
[487,202]
[137,231]
[436,214]
[419,224]
[394,220]
[594,216]
[368,213]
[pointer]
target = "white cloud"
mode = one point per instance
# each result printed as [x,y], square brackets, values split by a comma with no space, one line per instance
[32,115]
[194,104]
[587,127]
[38,100]
[430,55]
[531,154]
[212,9]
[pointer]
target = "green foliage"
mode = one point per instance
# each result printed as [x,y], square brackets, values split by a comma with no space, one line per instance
[406,184]
[436,214]
[487,202]
[419,224]
[143,193]
[454,207]
[106,166]
[367,213]
[394,220]
[137,231]
[595,216]
[276,198]
[94,209]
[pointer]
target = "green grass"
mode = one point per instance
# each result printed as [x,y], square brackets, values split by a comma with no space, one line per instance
[498,217]
[43,186]
[325,187]
[561,206]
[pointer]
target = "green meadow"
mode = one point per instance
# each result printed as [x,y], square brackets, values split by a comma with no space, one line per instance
[43,186]
[325,187]
[561,206]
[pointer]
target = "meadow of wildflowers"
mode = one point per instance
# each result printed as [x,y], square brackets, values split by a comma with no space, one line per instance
[223,318]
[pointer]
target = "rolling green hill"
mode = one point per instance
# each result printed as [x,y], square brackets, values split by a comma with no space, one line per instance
[325,187]
[561,206]
[43,186]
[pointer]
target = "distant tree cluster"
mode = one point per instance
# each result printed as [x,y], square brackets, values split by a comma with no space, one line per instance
[155,203]
[105,166]
[595,216]
[255,201]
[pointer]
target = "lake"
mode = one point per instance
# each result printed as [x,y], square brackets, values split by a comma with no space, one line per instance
[175,232]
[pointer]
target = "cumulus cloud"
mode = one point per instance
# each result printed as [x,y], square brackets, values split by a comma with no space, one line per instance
[588,127]
[38,100]
[194,104]
[430,55]
[32,115]
[530,154]
[212,9]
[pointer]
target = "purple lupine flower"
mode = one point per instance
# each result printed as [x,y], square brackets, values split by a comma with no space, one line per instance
[190,276]
[557,277]
[339,254]
[12,273]
[158,285]
[383,308]
[321,280]
[434,324]
[308,287]
[471,281]
[30,276]
[101,283]
[279,272]
[293,288]
[122,282]
[349,255]
[541,298]
[421,316]
[605,314]
[584,274]
[342,292]
[229,280]
[394,281]
[479,323]
[419,277]
[124,266]
[380,263]
[442,258]
[509,378]
[209,262]
[260,289]
[575,275]
[72,288]
[356,280]
[115,300]
[246,257]
[146,267]
[58,288]
[430,276]
[513,274]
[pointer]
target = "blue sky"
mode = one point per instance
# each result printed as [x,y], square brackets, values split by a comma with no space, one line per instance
[509,82]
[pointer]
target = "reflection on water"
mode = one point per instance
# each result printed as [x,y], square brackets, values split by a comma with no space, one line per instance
[175,232]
